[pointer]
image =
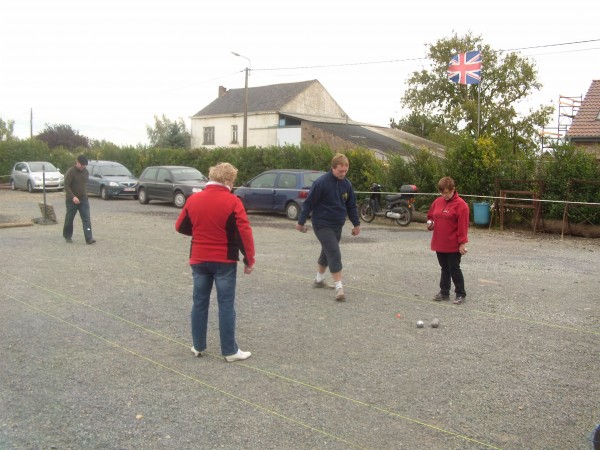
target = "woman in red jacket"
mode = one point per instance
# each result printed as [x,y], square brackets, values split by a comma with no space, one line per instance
[220,230]
[448,218]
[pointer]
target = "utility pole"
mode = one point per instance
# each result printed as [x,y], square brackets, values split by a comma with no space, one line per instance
[246,110]
[247,70]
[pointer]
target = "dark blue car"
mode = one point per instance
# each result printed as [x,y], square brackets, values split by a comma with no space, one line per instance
[278,190]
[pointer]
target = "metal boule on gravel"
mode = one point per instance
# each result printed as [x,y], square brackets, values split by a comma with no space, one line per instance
[435,323]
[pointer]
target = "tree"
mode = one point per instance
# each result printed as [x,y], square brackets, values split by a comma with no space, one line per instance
[168,134]
[507,80]
[63,136]
[6,130]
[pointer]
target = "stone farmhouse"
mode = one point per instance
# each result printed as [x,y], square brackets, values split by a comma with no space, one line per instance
[301,113]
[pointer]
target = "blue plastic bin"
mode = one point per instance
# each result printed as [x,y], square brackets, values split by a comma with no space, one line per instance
[481,213]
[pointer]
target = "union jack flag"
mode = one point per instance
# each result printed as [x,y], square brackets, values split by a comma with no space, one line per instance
[465,68]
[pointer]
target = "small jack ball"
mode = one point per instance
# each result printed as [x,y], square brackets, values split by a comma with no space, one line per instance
[420,324]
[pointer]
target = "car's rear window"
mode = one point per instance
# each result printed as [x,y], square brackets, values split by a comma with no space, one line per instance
[309,178]
[188,175]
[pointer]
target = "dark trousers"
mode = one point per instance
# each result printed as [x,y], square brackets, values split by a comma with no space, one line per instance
[330,256]
[84,212]
[450,264]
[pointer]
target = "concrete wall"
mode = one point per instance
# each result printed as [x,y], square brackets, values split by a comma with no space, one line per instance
[315,101]
[262,130]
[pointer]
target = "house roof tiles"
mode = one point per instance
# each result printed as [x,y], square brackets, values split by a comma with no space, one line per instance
[260,99]
[586,123]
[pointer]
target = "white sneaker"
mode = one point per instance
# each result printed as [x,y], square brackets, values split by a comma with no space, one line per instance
[196,353]
[239,356]
[339,294]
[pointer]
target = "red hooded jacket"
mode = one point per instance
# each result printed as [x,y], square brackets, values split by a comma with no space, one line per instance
[450,223]
[219,226]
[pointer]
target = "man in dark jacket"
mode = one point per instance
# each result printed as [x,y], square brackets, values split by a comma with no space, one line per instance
[331,199]
[76,199]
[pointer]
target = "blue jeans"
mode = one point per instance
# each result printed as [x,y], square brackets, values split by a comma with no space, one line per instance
[223,275]
[84,212]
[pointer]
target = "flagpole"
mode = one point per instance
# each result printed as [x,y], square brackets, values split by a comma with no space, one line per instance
[478,107]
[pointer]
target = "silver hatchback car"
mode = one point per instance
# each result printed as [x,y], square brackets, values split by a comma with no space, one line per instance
[32,175]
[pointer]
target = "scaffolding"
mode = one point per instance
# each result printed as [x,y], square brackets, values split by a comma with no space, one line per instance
[568,107]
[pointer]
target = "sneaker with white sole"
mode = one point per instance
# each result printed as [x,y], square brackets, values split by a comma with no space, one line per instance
[239,356]
[196,353]
[339,294]
[322,284]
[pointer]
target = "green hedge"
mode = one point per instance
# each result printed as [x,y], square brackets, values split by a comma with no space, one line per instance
[473,164]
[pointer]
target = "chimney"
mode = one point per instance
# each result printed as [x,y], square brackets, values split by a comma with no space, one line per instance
[222,91]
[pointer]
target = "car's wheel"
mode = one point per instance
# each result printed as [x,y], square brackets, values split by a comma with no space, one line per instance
[179,199]
[366,211]
[142,197]
[104,193]
[292,211]
[12,185]
[405,215]
[29,186]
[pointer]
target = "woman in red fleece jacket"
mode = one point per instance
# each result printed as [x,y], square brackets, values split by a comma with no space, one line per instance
[448,218]
[220,230]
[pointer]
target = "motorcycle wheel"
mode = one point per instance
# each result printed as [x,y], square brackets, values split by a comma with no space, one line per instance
[366,212]
[405,215]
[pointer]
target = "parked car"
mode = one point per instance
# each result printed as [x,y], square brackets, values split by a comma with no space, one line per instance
[278,190]
[170,184]
[31,175]
[110,179]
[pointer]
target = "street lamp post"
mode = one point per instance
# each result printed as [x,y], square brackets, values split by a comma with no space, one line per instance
[247,70]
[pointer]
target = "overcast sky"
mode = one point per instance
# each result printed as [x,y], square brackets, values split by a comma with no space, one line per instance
[106,67]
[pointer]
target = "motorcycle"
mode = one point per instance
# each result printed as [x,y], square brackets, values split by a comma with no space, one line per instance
[398,206]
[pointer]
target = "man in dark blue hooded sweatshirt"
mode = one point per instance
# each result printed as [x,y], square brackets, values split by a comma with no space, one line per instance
[331,199]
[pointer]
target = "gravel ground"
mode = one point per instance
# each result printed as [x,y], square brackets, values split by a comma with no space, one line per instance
[94,340]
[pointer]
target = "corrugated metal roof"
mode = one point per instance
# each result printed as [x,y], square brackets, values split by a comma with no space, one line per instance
[359,135]
[586,123]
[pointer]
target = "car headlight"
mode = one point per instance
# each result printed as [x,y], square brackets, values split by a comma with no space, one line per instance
[196,189]
[113,184]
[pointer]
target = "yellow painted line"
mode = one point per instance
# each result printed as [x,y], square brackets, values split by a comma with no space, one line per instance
[272,374]
[188,377]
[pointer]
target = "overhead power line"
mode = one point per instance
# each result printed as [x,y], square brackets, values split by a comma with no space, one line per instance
[550,45]
[344,64]
[388,61]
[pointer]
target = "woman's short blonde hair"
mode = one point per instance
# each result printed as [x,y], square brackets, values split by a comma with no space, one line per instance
[223,173]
